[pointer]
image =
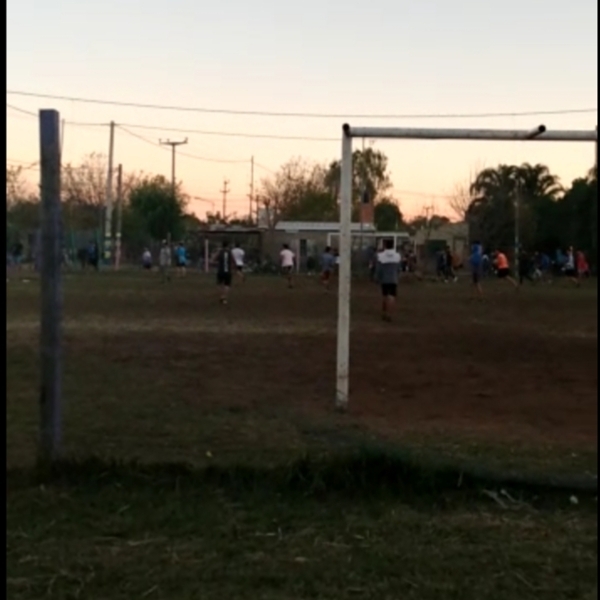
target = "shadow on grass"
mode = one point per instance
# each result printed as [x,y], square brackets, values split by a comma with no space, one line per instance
[365,472]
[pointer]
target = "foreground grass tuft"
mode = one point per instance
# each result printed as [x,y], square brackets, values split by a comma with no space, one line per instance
[365,472]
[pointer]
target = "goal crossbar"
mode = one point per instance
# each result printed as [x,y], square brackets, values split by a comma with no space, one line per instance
[538,133]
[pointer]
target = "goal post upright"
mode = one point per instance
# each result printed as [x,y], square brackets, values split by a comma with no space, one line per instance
[539,133]
[344,274]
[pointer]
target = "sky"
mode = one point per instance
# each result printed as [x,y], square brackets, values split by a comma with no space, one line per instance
[418,62]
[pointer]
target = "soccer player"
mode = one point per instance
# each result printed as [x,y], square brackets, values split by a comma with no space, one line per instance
[238,257]
[164,261]
[388,270]
[147,259]
[450,274]
[525,268]
[225,266]
[327,266]
[180,259]
[503,268]
[476,264]
[571,267]
[583,269]
[287,264]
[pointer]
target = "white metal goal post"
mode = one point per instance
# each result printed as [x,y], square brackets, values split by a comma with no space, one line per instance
[348,133]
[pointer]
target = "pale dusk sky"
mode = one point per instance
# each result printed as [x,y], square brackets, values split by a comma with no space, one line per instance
[378,57]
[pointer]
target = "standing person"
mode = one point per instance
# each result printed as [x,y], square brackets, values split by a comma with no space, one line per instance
[287,258]
[180,259]
[441,265]
[525,268]
[485,265]
[476,263]
[545,266]
[583,269]
[164,261]
[388,270]
[17,255]
[225,265]
[449,261]
[82,256]
[503,268]
[238,257]
[327,266]
[147,259]
[93,255]
[571,266]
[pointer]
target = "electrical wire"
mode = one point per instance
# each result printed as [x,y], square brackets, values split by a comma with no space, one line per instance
[179,152]
[298,114]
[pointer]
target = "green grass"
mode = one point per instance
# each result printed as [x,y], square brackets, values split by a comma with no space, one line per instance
[188,478]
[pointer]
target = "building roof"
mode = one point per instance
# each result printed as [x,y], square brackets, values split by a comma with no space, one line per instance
[330,226]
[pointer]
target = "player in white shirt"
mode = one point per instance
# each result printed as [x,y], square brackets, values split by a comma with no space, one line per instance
[287,264]
[238,256]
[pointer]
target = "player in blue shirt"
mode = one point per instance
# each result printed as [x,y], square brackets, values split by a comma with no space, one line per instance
[327,266]
[476,265]
[180,259]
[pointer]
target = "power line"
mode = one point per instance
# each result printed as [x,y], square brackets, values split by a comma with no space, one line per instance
[193,131]
[269,136]
[298,114]
[35,115]
[203,158]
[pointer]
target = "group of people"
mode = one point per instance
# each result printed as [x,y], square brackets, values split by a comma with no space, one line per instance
[446,265]
[531,267]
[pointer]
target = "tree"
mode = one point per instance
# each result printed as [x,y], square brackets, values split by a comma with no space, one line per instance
[299,192]
[84,189]
[495,192]
[85,184]
[387,215]
[369,174]
[461,198]
[15,186]
[151,203]
[575,218]
[22,208]
[428,222]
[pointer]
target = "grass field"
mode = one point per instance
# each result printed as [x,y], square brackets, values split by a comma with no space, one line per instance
[283,497]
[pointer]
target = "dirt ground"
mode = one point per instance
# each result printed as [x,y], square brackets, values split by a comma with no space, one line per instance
[518,367]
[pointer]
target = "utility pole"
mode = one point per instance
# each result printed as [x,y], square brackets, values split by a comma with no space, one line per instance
[517,226]
[109,195]
[119,216]
[225,191]
[173,180]
[51,289]
[173,154]
[251,194]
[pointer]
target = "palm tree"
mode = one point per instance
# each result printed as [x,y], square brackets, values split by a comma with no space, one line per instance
[494,193]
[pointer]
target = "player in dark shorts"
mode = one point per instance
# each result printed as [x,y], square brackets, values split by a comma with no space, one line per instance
[388,270]
[503,268]
[476,264]
[327,266]
[225,268]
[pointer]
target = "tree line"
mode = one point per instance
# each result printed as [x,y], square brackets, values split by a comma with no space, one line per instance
[550,215]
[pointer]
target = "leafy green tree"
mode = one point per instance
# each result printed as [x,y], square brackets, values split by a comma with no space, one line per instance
[495,192]
[426,222]
[576,218]
[153,203]
[387,215]
[370,175]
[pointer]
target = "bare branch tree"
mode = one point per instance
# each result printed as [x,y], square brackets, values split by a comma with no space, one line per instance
[460,200]
[15,186]
[461,197]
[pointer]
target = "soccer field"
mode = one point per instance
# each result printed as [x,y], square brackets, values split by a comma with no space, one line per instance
[165,375]
[163,372]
